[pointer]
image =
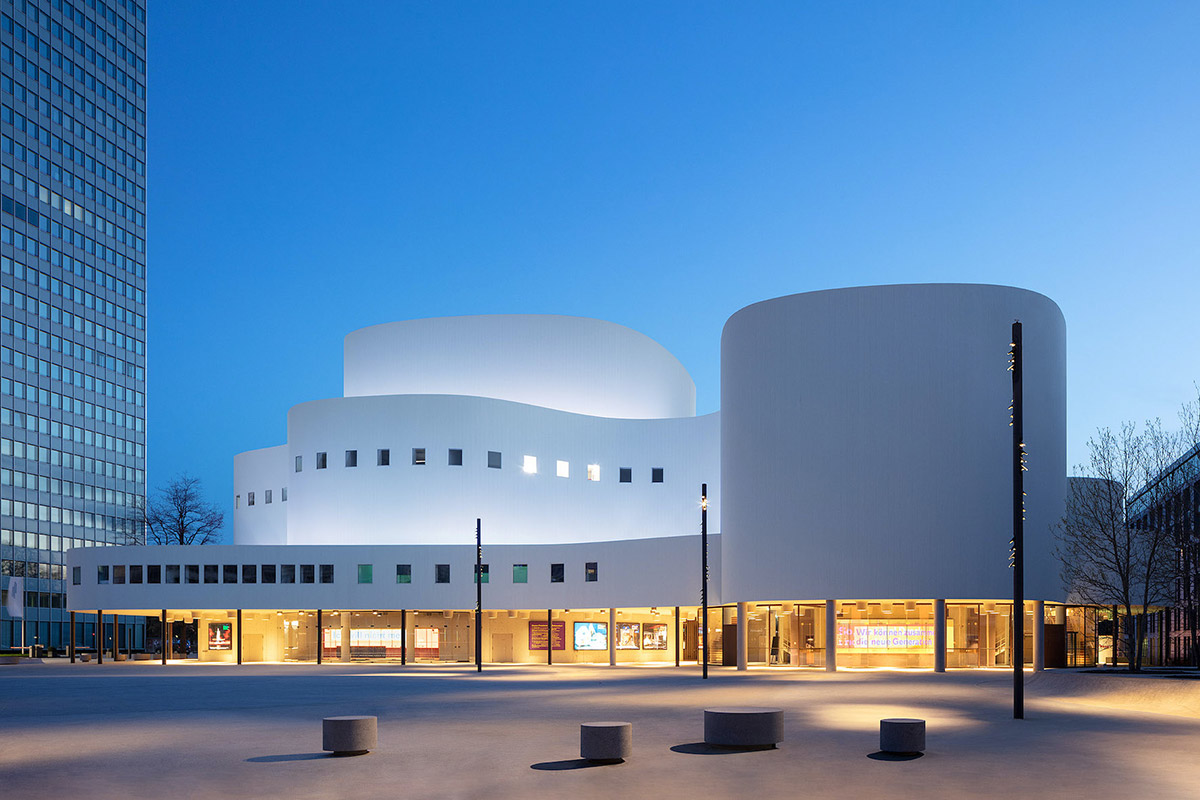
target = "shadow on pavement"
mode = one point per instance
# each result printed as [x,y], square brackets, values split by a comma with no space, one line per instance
[572,763]
[882,756]
[288,757]
[705,749]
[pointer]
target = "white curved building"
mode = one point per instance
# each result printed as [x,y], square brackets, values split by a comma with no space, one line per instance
[858,475]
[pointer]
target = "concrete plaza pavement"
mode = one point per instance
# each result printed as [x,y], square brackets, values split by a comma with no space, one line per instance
[193,730]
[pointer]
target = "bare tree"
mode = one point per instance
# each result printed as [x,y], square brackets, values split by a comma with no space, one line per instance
[179,514]
[1110,555]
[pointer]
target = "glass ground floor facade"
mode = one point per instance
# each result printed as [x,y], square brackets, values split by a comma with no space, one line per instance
[861,634]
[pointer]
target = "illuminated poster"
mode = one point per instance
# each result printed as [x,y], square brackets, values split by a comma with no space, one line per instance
[591,636]
[629,636]
[874,635]
[220,636]
[654,636]
[537,635]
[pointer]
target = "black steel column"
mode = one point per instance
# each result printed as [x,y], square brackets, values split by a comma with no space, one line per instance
[704,579]
[320,640]
[403,637]
[478,595]
[239,635]
[166,637]
[550,636]
[116,639]
[1018,543]
[72,637]
[677,636]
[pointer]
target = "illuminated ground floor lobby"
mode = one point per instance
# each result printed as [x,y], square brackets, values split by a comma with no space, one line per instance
[864,634]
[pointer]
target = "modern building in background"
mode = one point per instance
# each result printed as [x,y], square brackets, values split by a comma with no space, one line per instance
[73,335]
[859,482]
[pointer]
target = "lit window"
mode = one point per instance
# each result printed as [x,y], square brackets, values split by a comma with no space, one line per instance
[493,459]
[404,573]
[625,475]
[383,458]
[556,573]
[593,472]
[320,461]
[351,458]
[529,466]
[366,573]
[520,573]
[441,573]
[454,457]
[590,572]
[419,456]
[563,469]
[656,475]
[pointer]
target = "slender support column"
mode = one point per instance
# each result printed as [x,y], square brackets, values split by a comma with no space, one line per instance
[320,638]
[166,637]
[939,635]
[239,635]
[1039,635]
[99,636]
[403,636]
[116,640]
[743,624]
[478,595]
[344,618]
[677,636]
[612,637]
[72,646]
[831,635]
[549,636]
[704,580]
[1018,513]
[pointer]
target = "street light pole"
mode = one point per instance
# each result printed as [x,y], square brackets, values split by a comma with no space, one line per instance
[1017,554]
[478,595]
[704,578]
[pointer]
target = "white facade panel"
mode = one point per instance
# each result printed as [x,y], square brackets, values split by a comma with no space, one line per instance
[263,473]
[866,450]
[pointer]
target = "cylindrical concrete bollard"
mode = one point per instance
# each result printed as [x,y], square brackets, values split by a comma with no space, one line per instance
[605,741]
[743,726]
[902,735]
[349,736]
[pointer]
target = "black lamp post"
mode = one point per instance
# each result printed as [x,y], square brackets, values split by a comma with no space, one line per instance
[1017,553]
[478,595]
[704,578]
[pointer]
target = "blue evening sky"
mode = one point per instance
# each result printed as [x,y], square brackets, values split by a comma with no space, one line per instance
[316,167]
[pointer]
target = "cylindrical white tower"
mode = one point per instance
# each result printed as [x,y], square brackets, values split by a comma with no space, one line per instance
[865,445]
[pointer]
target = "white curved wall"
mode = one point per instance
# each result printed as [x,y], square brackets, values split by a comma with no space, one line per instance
[260,472]
[586,366]
[438,503]
[866,445]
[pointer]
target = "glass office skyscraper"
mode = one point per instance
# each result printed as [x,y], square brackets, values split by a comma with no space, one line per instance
[73,336]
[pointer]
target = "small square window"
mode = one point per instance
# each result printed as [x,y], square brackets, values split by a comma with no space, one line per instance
[299,463]
[210,573]
[589,572]
[76,576]
[656,475]
[321,461]
[191,573]
[529,465]
[283,495]
[404,573]
[626,475]
[135,573]
[237,501]
[172,573]
[308,573]
[119,573]
[351,458]
[419,456]
[484,569]
[249,573]
[366,573]
[520,573]
[593,472]
[493,459]
[229,574]
[383,458]
[154,574]
[556,573]
[327,573]
[441,573]
[454,457]
[102,575]
[287,573]
[249,498]
[562,469]
[267,496]
[268,573]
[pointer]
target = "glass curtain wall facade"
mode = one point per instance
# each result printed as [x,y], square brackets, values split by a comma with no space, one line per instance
[73,336]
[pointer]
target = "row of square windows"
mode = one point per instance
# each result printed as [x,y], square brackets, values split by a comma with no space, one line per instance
[84,271]
[81,408]
[44,484]
[80,463]
[73,14]
[48,544]
[287,573]
[454,458]
[80,352]
[123,528]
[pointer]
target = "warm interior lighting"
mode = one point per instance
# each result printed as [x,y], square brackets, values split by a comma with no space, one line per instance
[593,472]
[529,466]
[563,469]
